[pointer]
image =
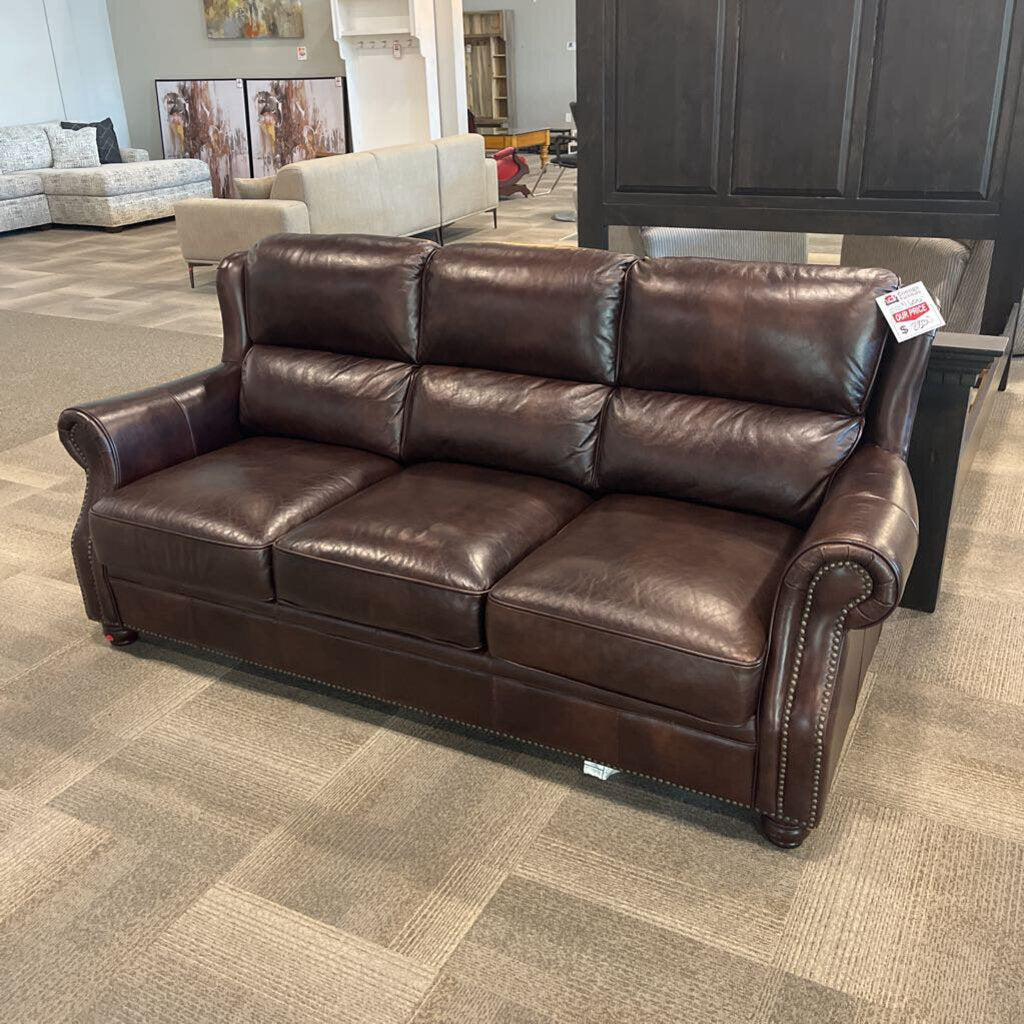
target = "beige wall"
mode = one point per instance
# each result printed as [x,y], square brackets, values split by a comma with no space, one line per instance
[163,39]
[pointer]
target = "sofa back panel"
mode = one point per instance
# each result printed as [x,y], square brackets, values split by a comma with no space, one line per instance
[769,460]
[508,421]
[409,187]
[354,294]
[342,192]
[461,163]
[321,396]
[524,309]
[780,333]
[25,147]
[893,406]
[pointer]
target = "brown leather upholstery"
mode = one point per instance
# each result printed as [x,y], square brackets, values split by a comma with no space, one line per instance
[483,310]
[780,333]
[418,552]
[649,512]
[525,424]
[206,525]
[663,600]
[717,450]
[372,308]
[326,397]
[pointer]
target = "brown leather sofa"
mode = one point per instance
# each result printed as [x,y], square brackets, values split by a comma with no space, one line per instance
[652,513]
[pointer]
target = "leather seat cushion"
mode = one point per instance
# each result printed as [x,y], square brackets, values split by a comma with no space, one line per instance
[418,552]
[661,600]
[207,524]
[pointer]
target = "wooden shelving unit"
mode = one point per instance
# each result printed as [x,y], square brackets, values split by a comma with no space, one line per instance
[489,91]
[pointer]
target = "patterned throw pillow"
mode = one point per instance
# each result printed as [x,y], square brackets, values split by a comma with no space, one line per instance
[106,138]
[73,148]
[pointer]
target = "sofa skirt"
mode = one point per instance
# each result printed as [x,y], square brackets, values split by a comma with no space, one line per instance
[456,685]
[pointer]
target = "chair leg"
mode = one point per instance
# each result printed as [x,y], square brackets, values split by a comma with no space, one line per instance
[494,213]
[440,234]
[782,833]
[192,274]
[119,636]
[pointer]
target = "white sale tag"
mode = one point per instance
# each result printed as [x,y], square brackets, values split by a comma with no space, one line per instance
[910,311]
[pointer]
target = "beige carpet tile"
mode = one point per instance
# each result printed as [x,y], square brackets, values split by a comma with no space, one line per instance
[983,563]
[384,852]
[970,643]
[938,902]
[993,501]
[275,965]
[39,848]
[102,701]
[58,959]
[581,962]
[26,602]
[454,1000]
[622,847]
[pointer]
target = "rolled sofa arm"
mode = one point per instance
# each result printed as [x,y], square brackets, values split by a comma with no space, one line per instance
[121,439]
[134,156]
[847,575]
[210,229]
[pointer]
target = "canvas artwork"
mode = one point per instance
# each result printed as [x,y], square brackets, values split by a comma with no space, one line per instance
[294,119]
[205,119]
[253,19]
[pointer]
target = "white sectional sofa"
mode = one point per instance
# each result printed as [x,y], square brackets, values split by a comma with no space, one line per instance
[400,190]
[34,192]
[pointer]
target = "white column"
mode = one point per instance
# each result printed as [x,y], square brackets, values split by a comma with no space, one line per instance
[405,69]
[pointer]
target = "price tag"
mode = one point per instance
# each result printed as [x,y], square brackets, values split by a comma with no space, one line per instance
[910,311]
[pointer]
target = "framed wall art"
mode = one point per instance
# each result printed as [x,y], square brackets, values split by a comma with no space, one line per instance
[206,119]
[294,119]
[253,19]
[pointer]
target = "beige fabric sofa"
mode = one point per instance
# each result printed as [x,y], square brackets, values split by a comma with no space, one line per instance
[400,190]
[33,192]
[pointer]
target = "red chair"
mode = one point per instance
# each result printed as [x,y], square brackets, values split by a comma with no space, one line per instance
[511,167]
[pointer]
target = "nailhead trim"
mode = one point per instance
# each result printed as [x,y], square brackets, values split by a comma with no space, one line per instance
[832,668]
[86,503]
[434,714]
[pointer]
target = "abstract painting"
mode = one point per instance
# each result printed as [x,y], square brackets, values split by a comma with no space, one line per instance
[253,19]
[294,119]
[205,119]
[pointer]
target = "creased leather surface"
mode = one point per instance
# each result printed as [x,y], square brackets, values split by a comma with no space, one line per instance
[789,334]
[745,456]
[418,552]
[321,396]
[484,304]
[847,574]
[208,523]
[356,294]
[523,424]
[663,600]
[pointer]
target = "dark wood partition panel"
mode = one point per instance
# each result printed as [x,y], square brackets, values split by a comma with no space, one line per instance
[893,117]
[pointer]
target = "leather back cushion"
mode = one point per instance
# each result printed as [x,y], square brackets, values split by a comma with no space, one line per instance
[524,309]
[321,396]
[354,294]
[525,424]
[779,333]
[746,456]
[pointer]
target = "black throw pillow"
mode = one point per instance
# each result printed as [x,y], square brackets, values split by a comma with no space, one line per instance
[106,138]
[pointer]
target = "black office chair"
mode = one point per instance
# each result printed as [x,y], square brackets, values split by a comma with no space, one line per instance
[564,159]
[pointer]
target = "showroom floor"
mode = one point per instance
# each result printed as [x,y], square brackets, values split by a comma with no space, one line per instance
[184,838]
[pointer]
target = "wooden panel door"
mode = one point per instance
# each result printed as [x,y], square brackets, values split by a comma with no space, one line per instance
[668,64]
[936,93]
[794,96]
